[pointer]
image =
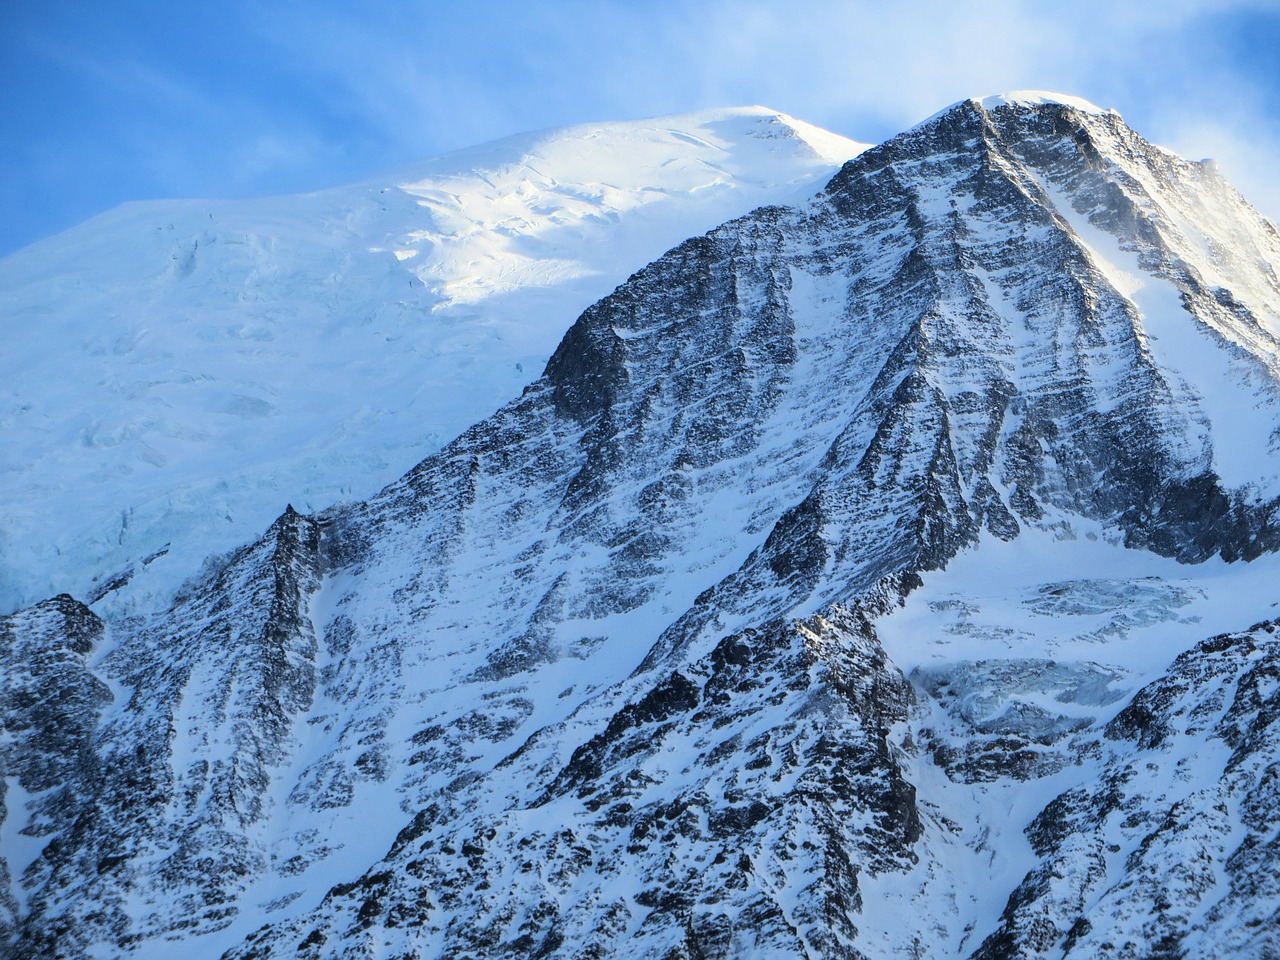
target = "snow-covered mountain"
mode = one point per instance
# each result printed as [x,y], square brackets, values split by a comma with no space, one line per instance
[890,575]
[175,372]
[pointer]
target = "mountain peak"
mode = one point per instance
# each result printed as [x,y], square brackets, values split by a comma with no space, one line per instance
[1016,98]
[1036,98]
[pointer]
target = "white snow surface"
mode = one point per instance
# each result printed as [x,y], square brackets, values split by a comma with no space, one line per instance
[1035,98]
[175,372]
[1075,598]
[1020,98]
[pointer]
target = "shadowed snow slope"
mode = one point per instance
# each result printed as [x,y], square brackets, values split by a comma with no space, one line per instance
[888,576]
[174,372]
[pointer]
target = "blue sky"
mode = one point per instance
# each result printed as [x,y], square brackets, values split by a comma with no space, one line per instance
[133,99]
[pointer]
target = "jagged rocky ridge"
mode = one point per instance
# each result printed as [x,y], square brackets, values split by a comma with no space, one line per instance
[603,678]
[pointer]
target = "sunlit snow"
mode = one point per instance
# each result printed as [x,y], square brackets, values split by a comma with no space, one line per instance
[175,372]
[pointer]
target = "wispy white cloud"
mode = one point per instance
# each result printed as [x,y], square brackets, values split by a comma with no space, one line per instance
[1246,156]
[430,75]
[308,94]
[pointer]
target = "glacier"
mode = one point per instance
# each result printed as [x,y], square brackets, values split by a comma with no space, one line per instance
[175,372]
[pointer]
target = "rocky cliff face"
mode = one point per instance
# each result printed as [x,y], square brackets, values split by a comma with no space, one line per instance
[1167,850]
[619,673]
[170,794]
